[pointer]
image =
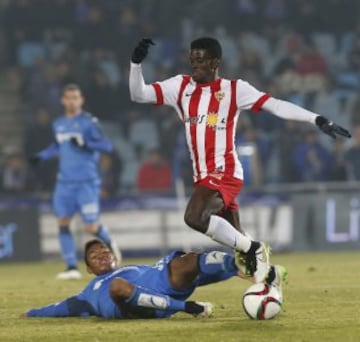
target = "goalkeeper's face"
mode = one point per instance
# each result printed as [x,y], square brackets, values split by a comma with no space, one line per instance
[72,101]
[100,259]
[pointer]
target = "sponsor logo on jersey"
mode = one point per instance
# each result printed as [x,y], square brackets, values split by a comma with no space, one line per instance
[212,119]
[62,137]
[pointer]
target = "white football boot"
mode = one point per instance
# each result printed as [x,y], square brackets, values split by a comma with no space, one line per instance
[255,263]
[280,279]
[69,274]
[209,309]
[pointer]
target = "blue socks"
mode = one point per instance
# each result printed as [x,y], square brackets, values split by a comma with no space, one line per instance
[216,262]
[103,235]
[68,248]
[215,266]
[150,299]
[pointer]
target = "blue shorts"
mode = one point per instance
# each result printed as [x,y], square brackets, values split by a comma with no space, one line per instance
[71,198]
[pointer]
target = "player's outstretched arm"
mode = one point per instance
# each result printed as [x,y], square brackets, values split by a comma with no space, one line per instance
[290,111]
[139,91]
[50,152]
[70,307]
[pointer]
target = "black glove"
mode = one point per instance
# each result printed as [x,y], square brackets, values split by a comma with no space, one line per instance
[34,160]
[78,142]
[329,128]
[141,51]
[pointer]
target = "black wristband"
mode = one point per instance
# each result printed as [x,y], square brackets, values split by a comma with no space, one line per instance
[320,120]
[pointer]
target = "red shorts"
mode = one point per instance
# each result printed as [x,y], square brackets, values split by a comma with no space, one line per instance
[228,186]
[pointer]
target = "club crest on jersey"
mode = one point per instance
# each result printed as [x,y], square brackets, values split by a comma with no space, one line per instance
[219,95]
[212,119]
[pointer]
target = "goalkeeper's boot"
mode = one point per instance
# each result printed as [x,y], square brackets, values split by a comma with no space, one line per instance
[71,273]
[255,263]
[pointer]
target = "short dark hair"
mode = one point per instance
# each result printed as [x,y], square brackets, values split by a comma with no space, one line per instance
[211,45]
[88,245]
[71,87]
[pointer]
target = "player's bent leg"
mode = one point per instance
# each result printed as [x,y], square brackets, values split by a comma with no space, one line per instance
[203,203]
[139,302]
[200,215]
[120,289]
[255,263]
[183,271]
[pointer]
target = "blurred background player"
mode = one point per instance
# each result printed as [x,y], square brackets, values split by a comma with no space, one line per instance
[78,141]
[209,106]
[143,291]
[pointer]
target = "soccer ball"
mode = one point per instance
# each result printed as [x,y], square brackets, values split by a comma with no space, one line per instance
[262,301]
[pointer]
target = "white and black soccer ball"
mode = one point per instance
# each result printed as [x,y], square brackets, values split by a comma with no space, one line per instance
[262,301]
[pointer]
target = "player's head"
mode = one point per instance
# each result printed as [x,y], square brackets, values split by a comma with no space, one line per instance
[72,99]
[99,259]
[205,56]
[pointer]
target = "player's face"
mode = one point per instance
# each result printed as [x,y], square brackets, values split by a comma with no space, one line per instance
[72,101]
[204,67]
[100,259]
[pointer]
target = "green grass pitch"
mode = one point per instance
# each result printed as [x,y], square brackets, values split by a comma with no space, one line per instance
[322,303]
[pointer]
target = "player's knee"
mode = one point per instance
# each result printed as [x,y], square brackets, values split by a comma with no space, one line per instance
[91,228]
[196,220]
[64,221]
[120,289]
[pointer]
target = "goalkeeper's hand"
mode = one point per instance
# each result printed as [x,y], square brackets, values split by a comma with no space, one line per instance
[329,128]
[78,141]
[141,50]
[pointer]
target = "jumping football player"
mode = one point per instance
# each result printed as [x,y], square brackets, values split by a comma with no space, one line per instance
[141,291]
[209,107]
[78,141]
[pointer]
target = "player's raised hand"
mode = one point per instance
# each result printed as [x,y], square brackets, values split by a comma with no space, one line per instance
[141,50]
[329,128]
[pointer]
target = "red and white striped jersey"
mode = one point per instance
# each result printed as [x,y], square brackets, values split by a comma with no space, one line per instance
[210,112]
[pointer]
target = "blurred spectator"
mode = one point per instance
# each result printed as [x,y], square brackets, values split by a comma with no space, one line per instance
[312,160]
[311,62]
[337,171]
[353,156]
[15,174]
[286,143]
[38,134]
[143,132]
[154,175]
[101,97]
[110,172]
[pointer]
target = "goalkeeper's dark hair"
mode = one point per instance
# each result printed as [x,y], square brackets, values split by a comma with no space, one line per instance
[211,45]
[88,245]
[71,87]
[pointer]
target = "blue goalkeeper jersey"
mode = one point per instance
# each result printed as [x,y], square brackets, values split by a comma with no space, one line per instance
[77,164]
